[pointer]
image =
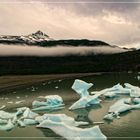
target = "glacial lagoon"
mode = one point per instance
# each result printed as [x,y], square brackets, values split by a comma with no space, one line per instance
[128,126]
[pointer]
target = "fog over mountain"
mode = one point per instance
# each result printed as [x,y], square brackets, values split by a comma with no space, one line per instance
[20,50]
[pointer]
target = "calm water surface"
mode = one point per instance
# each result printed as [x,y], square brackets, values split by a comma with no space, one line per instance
[128,127]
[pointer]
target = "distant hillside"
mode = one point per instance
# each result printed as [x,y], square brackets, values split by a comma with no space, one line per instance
[128,61]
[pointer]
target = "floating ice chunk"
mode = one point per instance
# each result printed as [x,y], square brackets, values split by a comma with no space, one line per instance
[110,94]
[127,101]
[10,102]
[135,91]
[19,102]
[53,99]
[56,87]
[48,108]
[81,87]
[137,106]
[2,107]
[53,102]
[120,106]
[113,91]
[2,121]
[17,97]
[30,122]
[60,118]
[38,103]
[9,126]
[33,89]
[109,117]
[21,123]
[7,115]
[86,100]
[29,114]
[138,77]
[136,100]
[72,132]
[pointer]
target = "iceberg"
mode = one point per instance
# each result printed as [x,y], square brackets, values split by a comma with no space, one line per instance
[113,91]
[9,126]
[135,91]
[72,132]
[86,100]
[48,108]
[110,94]
[81,87]
[136,100]
[2,107]
[53,102]
[21,123]
[120,106]
[109,117]
[60,118]
[29,114]
[7,115]
[3,121]
[38,103]
[30,122]
[18,102]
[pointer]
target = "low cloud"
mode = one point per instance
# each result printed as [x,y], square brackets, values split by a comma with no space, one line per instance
[16,50]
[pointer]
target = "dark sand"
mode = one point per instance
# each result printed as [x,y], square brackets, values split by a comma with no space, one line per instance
[13,82]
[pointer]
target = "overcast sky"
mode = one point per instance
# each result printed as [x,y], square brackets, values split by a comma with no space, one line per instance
[116,22]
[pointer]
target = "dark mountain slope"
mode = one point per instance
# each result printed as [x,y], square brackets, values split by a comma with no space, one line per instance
[128,61]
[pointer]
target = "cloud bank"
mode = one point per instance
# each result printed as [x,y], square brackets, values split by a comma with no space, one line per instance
[16,50]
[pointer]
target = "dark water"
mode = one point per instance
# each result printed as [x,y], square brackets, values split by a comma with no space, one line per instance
[128,127]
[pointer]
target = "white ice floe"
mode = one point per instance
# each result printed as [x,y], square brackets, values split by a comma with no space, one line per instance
[110,94]
[48,108]
[9,126]
[11,102]
[29,114]
[109,116]
[2,107]
[56,87]
[136,100]
[52,102]
[72,132]
[60,118]
[86,100]
[3,121]
[81,87]
[21,123]
[113,91]
[120,106]
[138,77]
[7,115]
[30,122]
[19,102]
[39,103]
[135,91]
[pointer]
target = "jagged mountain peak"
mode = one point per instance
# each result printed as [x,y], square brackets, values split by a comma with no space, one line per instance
[40,33]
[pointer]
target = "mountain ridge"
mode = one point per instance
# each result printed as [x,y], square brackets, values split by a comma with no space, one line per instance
[41,39]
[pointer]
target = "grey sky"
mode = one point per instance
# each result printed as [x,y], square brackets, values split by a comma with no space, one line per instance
[116,22]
